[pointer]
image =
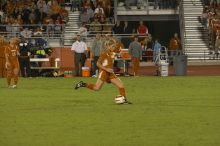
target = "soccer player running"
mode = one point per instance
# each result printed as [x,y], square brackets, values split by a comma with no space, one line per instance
[105,64]
[12,63]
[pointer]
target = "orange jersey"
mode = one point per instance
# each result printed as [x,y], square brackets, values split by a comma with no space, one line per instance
[106,58]
[12,53]
[2,49]
[174,44]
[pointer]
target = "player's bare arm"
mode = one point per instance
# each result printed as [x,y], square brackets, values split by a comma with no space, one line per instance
[7,63]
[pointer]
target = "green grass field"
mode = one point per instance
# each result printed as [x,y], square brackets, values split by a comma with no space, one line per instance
[169,111]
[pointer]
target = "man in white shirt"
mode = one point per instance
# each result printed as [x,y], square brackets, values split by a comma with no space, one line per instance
[79,49]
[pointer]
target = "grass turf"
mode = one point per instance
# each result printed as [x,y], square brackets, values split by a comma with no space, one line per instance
[170,111]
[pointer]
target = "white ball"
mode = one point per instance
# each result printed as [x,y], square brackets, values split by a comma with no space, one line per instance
[119,99]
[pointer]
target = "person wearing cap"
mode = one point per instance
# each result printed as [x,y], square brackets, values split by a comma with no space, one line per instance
[79,49]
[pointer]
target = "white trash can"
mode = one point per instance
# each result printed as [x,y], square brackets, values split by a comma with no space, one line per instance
[164,69]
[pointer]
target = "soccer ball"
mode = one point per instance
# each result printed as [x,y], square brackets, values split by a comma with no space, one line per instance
[119,99]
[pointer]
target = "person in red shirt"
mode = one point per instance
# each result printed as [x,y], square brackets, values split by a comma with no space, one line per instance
[142,29]
[106,74]
[12,63]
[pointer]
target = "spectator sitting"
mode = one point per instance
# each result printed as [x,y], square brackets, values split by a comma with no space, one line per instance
[40,42]
[118,29]
[9,22]
[83,31]
[32,18]
[55,9]
[43,9]
[15,28]
[142,29]
[90,12]
[20,20]
[75,4]
[38,32]
[107,25]
[26,13]
[57,27]
[16,12]
[127,28]
[84,17]
[139,3]
[109,13]
[99,12]
[95,26]
[127,31]
[50,27]
[87,3]
[26,33]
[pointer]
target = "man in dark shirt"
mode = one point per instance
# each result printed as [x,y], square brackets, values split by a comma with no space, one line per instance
[24,59]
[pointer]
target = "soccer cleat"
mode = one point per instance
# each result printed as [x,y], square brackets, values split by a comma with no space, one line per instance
[127,102]
[80,84]
[14,86]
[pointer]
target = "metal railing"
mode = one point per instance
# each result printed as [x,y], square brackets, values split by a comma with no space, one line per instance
[193,55]
[46,31]
[182,24]
[147,4]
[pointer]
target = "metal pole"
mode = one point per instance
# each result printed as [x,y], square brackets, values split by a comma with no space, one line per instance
[115,10]
[147,6]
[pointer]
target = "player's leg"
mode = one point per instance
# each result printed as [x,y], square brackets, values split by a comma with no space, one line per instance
[9,74]
[136,64]
[103,76]
[97,86]
[1,67]
[76,62]
[117,82]
[15,76]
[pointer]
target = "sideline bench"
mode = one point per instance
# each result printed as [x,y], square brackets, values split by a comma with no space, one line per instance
[55,67]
